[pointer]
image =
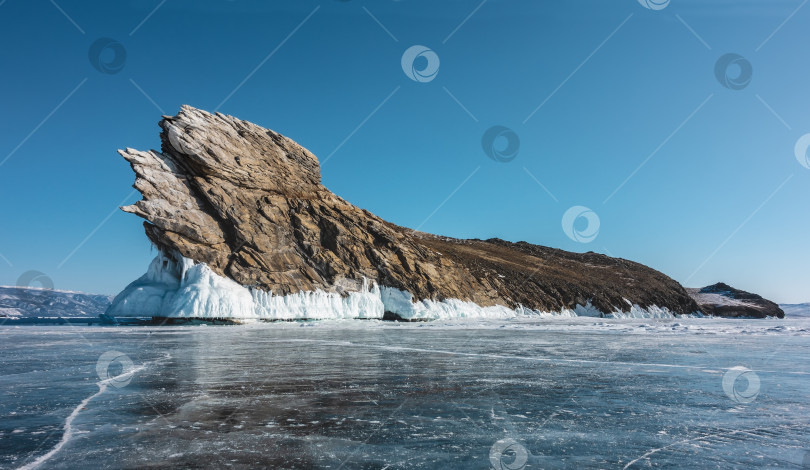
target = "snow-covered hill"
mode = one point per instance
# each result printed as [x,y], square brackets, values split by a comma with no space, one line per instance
[722,300]
[29,302]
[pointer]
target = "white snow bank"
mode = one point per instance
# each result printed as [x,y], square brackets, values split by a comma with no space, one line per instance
[401,303]
[185,289]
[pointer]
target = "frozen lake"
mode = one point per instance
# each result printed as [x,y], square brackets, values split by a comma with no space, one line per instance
[553,393]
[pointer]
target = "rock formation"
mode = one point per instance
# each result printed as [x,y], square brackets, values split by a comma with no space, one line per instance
[249,203]
[722,300]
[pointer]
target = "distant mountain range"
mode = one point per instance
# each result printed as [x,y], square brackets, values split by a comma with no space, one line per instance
[30,302]
[796,310]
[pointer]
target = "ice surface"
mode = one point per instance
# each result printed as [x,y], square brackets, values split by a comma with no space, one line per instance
[68,430]
[185,289]
[574,392]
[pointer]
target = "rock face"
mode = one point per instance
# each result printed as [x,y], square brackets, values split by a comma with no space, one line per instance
[723,300]
[249,203]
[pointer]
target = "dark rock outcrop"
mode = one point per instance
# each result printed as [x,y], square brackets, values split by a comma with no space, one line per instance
[723,300]
[249,203]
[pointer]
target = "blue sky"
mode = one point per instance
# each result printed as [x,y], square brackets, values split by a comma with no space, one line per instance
[617,108]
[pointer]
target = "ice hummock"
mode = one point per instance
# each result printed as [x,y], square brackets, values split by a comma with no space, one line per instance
[177,287]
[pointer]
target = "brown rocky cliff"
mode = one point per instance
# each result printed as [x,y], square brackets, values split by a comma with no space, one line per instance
[249,203]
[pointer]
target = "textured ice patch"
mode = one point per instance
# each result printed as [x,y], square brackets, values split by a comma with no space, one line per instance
[402,303]
[639,312]
[319,304]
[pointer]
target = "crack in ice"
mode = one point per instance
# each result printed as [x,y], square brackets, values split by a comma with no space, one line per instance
[68,427]
[701,438]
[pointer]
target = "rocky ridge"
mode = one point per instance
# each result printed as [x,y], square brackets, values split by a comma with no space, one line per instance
[249,203]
